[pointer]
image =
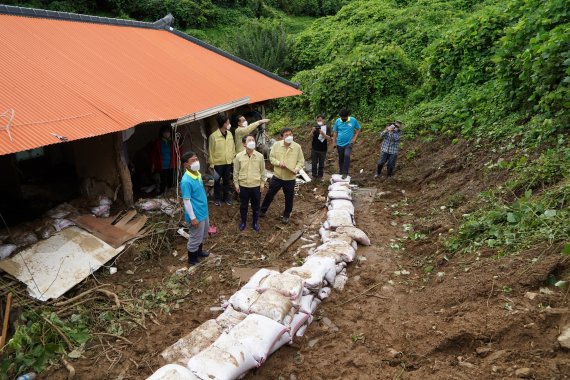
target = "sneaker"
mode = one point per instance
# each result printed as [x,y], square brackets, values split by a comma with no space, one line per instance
[262,214]
[218,203]
[229,202]
[256,227]
[242,226]
[285,219]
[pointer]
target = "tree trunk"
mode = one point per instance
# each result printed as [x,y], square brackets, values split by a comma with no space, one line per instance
[124,174]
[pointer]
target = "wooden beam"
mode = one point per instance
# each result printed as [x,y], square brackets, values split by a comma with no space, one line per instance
[5,321]
[124,173]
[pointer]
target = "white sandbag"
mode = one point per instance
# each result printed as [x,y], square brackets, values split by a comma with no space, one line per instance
[286,338]
[340,266]
[101,211]
[288,284]
[230,317]
[61,211]
[338,249]
[342,204]
[338,194]
[326,225]
[334,235]
[301,331]
[325,234]
[273,305]
[324,293]
[298,320]
[24,239]
[197,340]
[6,250]
[45,232]
[222,363]
[338,178]
[340,186]
[356,233]
[173,372]
[105,201]
[61,224]
[258,334]
[324,266]
[340,280]
[258,277]
[339,218]
[305,304]
[243,299]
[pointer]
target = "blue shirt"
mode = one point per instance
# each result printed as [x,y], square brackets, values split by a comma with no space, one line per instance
[165,153]
[192,188]
[345,130]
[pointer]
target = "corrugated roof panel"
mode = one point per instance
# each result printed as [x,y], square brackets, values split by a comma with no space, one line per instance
[79,79]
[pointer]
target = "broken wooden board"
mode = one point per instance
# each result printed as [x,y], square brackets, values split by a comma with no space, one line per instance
[126,218]
[53,266]
[104,230]
[289,242]
[363,197]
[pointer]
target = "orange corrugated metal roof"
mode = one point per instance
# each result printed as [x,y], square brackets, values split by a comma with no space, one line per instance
[79,79]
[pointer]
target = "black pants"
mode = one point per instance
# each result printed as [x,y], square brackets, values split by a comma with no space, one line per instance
[344,158]
[166,179]
[247,195]
[222,190]
[390,159]
[288,189]
[318,162]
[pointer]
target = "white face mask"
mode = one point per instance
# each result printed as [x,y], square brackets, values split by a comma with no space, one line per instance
[195,166]
[320,123]
[289,139]
[250,145]
[244,124]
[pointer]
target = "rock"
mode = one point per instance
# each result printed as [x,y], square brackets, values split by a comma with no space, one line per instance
[330,325]
[546,291]
[530,295]
[483,351]
[393,353]
[313,342]
[523,372]
[495,355]
[564,338]
[495,368]
[466,365]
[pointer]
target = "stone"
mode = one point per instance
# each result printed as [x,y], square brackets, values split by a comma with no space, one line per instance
[530,295]
[483,351]
[330,325]
[523,372]
[313,342]
[496,355]
[393,353]
[466,365]
[564,338]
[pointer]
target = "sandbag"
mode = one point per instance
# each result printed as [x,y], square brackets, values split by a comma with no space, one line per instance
[24,239]
[256,333]
[101,211]
[199,339]
[298,320]
[309,304]
[45,232]
[324,293]
[356,233]
[61,224]
[339,218]
[323,266]
[290,285]
[243,299]
[338,194]
[6,250]
[340,186]
[338,249]
[61,211]
[229,318]
[340,266]
[273,305]
[340,280]
[341,204]
[325,234]
[258,277]
[338,178]
[222,363]
[173,372]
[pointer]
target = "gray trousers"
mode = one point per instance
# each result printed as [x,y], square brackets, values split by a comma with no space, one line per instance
[197,234]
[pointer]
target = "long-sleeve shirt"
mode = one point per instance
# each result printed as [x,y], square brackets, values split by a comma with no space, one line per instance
[221,149]
[243,131]
[249,171]
[291,156]
[391,143]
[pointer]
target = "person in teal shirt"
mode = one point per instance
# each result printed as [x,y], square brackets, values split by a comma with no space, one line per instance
[345,132]
[195,207]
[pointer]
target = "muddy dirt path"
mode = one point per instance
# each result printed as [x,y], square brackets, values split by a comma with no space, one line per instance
[410,309]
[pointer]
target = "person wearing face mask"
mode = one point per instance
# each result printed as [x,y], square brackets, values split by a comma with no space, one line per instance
[287,158]
[243,129]
[319,148]
[390,147]
[249,180]
[195,207]
[345,132]
[221,152]
[164,159]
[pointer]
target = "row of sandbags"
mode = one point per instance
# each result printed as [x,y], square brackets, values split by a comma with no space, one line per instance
[269,310]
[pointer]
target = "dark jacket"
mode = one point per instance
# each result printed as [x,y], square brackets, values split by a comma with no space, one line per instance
[317,145]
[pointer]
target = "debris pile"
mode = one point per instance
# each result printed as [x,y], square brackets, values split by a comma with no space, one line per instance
[272,307]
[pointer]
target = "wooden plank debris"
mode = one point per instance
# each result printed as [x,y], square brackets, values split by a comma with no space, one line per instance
[112,235]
